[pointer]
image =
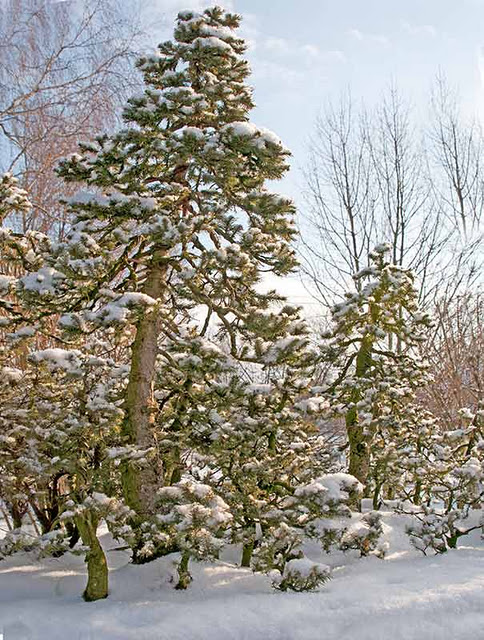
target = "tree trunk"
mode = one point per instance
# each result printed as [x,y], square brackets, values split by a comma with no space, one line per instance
[18,509]
[141,484]
[97,566]
[184,577]
[359,455]
[247,551]
[359,463]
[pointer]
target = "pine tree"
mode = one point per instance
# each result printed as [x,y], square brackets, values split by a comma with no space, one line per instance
[450,481]
[252,442]
[374,349]
[18,253]
[174,218]
[61,414]
[61,428]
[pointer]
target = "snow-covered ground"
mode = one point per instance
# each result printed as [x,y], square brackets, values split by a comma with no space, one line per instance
[405,597]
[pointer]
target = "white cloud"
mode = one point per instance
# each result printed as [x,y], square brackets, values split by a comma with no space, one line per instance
[480,66]
[276,72]
[375,38]
[356,34]
[425,30]
[308,53]
[334,55]
[249,30]
[191,5]
[311,50]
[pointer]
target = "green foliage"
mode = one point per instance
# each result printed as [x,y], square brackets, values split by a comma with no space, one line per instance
[374,351]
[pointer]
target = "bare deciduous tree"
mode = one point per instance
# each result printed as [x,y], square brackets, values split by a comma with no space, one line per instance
[338,225]
[456,355]
[64,71]
[368,183]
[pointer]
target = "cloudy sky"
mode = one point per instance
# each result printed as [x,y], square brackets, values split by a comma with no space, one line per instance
[306,52]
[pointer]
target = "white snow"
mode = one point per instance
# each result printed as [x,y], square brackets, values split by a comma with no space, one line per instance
[117,311]
[11,374]
[67,360]
[5,283]
[43,281]
[303,567]
[213,43]
[405,597]
[261,135]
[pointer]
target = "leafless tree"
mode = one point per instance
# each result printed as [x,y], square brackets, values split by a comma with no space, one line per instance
[368,183]
[456,355]
[339,221]
[456,145]
[65,68]
[457,165]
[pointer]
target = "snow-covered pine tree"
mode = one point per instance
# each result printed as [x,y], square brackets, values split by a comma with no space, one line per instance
[450,480]
[60,432]
[252,442]
[374,349]
[60,409]
[18,253]
[195,518]
[175,217]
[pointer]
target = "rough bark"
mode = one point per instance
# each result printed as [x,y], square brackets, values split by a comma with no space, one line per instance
[359,455]
[141,484]
[17,515]
[97,566]
[359,462]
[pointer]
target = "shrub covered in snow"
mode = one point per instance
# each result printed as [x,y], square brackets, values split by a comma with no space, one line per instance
[365,536]
[301,574]
[194,519]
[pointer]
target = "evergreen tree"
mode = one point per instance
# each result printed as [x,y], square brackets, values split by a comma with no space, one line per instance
[254,443]
[175,218]
[450,480]
[60,410]
[374,349]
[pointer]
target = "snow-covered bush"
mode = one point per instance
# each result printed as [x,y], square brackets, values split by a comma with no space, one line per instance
[451,486]
[365,536]
[194,520]
[279,554]
[303,514]
[301,574]
[54,544]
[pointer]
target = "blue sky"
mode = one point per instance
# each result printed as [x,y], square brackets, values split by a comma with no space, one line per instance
[306,52]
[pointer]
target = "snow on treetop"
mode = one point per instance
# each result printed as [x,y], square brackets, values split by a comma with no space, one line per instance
[218,31]
[213,43]
[245,129]
[384,247]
